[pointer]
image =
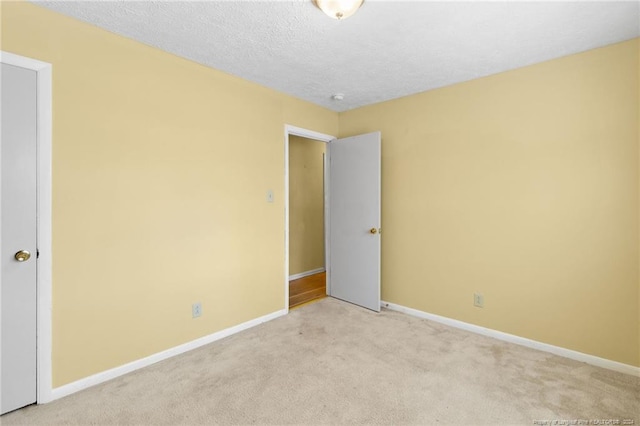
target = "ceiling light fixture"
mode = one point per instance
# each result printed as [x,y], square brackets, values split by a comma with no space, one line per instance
[339,9]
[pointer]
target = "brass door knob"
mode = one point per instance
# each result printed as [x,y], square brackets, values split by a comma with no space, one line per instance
[22,256]
[373,230]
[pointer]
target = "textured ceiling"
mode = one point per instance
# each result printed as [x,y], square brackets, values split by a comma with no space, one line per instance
[387,50]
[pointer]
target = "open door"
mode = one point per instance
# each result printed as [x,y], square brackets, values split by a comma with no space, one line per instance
[18,253]
[354,234]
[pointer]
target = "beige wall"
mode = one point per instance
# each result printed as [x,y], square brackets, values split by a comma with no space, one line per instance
[522,186]
[160,173]
[306,205]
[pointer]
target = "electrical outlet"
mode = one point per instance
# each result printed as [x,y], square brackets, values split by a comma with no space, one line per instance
[270,196]
[196,309]
[478,300]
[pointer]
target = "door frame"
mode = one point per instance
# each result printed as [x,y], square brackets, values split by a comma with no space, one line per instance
[290,130]
[43,70]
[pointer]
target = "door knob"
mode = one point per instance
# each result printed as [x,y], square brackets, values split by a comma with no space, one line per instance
[373,230]
[22,256]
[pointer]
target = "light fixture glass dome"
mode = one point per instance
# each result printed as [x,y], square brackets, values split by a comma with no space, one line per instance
[339,9]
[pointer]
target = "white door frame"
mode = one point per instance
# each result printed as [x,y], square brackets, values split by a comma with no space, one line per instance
[321,137]
[43,205]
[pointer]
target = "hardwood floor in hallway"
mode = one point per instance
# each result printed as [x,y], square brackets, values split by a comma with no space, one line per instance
[307,289]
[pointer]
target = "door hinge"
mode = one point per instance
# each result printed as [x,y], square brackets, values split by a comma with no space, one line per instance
[37,254]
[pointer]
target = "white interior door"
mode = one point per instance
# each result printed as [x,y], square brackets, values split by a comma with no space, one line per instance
[18,238]
[354,225]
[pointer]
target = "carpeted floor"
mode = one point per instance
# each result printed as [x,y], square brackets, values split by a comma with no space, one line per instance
[333,363]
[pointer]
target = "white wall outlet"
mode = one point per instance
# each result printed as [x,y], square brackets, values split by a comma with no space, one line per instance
[478,300]
[196,309]
[270,196]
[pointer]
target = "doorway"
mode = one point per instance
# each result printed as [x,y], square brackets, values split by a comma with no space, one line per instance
[352,216]
[25,247]
[310,263]
[307,278]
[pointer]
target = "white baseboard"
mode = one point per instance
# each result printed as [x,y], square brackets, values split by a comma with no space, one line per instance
[104,376]
[305,274]
[556,350]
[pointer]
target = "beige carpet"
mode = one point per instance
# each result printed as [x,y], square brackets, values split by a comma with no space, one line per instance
[333,363]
